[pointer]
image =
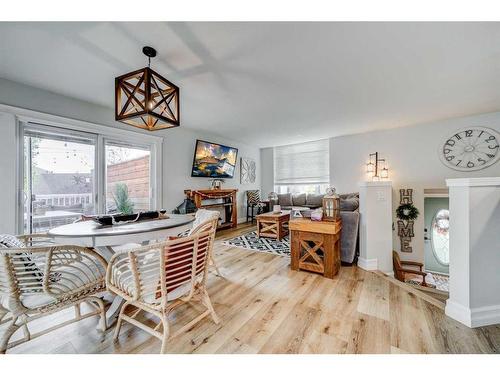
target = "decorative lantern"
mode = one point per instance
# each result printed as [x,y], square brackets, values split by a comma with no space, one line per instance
[331,206]
[145,99]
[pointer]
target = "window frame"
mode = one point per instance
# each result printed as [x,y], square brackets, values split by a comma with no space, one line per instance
[28,119]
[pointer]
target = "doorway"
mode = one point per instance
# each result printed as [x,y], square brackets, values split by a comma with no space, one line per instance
[436,235]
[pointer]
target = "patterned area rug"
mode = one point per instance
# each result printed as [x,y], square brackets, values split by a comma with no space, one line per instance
[442,282]
[250,241]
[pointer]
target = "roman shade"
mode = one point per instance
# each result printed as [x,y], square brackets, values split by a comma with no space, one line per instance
[302,163]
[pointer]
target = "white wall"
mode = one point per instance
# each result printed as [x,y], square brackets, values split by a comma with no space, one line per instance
[475,259]
[412,154]
[178,148]
[267,170]
[413,158]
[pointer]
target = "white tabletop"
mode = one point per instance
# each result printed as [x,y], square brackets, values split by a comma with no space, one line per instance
[91,228]
[90,233]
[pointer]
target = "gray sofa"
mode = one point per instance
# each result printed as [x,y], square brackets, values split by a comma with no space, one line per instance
[349,213]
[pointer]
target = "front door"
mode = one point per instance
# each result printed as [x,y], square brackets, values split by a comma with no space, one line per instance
[436,231]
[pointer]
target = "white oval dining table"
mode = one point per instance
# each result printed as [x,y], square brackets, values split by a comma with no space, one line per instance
[107,240]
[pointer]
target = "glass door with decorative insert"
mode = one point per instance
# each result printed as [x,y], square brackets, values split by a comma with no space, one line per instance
[436,234]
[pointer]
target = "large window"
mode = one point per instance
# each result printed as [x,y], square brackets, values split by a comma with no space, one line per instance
[302,168]
[127,178]
[67,173]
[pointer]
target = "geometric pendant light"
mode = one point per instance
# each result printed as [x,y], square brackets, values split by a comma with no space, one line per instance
[145,99]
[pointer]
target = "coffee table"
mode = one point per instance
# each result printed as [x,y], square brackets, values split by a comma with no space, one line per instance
[271,224]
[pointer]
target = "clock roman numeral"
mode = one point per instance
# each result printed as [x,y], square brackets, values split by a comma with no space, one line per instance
[468,133]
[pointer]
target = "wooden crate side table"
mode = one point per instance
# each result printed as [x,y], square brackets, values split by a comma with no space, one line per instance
[315,246]
[272,225]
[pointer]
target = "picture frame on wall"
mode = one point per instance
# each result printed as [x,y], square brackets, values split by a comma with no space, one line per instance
[248,171]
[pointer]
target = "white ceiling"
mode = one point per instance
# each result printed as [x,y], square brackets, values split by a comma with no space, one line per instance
[273,83]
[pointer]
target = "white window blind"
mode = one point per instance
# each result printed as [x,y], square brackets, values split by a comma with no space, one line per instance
[302,163]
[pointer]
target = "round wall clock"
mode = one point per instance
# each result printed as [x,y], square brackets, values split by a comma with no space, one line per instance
[471,149]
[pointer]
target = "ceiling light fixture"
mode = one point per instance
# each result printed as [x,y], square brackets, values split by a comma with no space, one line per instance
[145,99]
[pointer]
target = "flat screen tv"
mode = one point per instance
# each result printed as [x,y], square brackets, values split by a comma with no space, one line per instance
[213,160]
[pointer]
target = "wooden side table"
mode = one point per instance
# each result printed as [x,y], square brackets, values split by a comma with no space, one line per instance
[272,224]
[315,246]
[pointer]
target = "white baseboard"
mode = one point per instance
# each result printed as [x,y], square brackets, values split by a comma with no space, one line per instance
[485,316]
[458,312]
[476,317]
[368,264]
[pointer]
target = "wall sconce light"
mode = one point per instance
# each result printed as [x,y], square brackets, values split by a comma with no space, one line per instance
[375,169]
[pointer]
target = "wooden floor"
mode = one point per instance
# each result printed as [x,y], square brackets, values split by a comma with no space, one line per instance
[267,308]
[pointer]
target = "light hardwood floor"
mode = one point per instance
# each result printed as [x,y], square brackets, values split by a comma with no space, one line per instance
[265,307]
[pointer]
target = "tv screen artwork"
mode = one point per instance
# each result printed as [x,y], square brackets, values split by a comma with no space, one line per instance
[214,160]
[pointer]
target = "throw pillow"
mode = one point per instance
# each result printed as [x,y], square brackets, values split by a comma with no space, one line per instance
[299,199]
[314,200]
[201,217]
[285,199]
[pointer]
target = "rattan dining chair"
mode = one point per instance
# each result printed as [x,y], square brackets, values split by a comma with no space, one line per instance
[202,217]
[160,277]
[39,278]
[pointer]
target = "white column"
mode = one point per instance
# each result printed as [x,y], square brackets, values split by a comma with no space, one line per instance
[474,251]
[375,207]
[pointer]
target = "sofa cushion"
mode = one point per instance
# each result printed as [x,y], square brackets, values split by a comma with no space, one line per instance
[285,199]
[314,200]
[350,204]
[299,199]
[349,196]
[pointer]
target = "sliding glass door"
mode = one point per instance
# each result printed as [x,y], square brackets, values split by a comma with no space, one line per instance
[59,177]
[67,173]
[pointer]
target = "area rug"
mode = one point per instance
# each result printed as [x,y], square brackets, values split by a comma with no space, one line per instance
[442,282]
[250,241]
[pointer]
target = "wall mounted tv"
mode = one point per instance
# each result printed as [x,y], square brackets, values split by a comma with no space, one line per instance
[213,160]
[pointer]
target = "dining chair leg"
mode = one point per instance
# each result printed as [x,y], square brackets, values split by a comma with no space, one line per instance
[212,263]
[119,322]
[166,334]
[208,304]
[7,334]
[102,309]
